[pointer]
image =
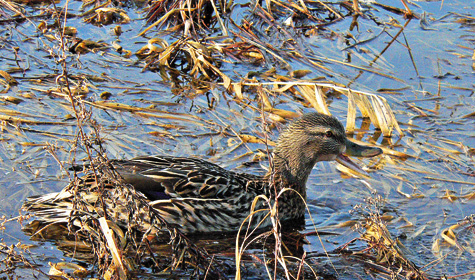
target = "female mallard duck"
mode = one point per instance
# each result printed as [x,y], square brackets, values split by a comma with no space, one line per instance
[198,196]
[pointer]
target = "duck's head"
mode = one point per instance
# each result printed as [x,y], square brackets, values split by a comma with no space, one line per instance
[311,138]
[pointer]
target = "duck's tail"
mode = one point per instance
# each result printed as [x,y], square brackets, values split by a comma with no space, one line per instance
[51,207]
[54,212]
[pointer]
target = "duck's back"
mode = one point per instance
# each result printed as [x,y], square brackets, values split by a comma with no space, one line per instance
[190,194]
[162,177]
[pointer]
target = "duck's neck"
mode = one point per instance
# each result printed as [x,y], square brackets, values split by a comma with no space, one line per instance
[289,172]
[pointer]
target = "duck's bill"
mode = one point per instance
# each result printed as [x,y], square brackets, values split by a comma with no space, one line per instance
[356,150]
[350,166]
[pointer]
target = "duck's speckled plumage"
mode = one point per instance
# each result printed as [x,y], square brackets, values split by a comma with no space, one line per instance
[198,196]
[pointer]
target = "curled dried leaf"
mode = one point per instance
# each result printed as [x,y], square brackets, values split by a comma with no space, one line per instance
[154,47]
[253,139]
[70,31]
[42,26]
[106,16]
[10,80]
[118,30]
[299,73]
[449,235]
[11,99]
[59,269]
[84,46]
[449,195]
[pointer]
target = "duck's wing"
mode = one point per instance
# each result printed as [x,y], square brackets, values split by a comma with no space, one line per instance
[162,177]
[190,194]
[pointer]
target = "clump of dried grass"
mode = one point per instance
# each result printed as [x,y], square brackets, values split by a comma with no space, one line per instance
[14,257]
[194,61]
[194,17]
[91,231]
[383,254]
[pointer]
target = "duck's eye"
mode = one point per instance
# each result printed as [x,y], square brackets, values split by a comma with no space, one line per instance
[329,133]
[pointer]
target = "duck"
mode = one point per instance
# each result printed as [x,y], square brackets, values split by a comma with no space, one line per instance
[197,196]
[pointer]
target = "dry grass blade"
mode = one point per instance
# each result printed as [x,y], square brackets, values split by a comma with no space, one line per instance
[237,89]
[278,263]
[338,15]
[285,114]
[315,96]
[371,105]
[17,120]
[253,139]
[293,6]
[160,21]
[239,250]
[220,20]
[451,180]
[375,107]
[351,114]
[116,255]
[8,78]
[146,112]
[386,119]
